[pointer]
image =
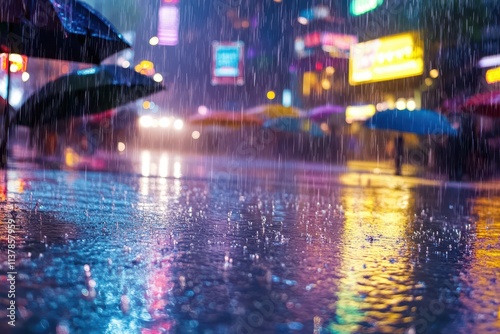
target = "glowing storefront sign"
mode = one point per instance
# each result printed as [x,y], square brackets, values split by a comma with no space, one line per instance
[493,75]
[168,25]
[227,63]
[338,45]
[387,58]
[18,63]
[359,7]
[359,113]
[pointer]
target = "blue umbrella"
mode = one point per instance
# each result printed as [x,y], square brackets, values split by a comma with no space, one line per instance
[420,122]
[294,125]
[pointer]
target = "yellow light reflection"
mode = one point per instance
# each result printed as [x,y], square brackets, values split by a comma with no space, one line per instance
[376,220]
[71,158]
[484,267]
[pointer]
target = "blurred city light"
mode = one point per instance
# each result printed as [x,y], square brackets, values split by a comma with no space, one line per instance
[411,105]
[202,110]
[25,76]
[154,40]
[493,75]
[16,97]
[146,121]
[195,134]
[434,73]
[164,122]
[18,63]
[326,84]
[178,124]
[359,7]
[329,70]
[146,162]
[158,77]
[400,104]
[359,113]
[271,95]
[428,82]
[168,24]
[145,67]
[303,20]
[125,64]
[287,98]
[146,105]
[121,146]
[489,61]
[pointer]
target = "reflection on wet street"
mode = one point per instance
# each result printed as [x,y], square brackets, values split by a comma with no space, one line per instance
[186,244]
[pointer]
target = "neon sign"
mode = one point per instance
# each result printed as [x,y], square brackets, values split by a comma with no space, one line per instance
[387,58]
[359,7]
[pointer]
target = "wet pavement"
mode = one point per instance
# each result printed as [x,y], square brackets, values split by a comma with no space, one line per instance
[166,243]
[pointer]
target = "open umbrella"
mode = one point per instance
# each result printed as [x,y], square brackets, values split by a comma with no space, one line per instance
[85,92]
[420,122]
[322,113]
[294,125]
[274,111]
[55,29]
[484,104]
[225,118]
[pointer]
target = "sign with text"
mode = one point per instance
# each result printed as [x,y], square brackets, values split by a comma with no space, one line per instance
[228,63]
[387,58]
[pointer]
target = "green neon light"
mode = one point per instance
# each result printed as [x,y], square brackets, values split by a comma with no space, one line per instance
[359,7]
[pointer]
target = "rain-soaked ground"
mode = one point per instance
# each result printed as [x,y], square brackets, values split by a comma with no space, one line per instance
[186,244]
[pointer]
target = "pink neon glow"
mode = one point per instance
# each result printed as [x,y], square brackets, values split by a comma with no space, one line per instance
[168,25]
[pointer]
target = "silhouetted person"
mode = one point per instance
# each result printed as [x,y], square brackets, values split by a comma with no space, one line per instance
[398,146]
[457,156]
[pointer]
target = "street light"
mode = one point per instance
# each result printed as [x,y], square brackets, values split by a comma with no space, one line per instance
[302,20]
[158,77]
[154,40]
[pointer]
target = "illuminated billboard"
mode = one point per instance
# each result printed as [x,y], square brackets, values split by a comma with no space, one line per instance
[168,24]
[337,45]
[227,63]
[387,58]
[359,7]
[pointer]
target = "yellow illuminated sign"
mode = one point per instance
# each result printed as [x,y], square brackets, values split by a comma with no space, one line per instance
[493,75]
[386,58]
[359,113]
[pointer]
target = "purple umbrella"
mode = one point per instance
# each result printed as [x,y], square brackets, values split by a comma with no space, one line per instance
[322,113]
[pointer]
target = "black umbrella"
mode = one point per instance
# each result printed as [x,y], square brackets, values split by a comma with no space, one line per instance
[85,92]
[55,29]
